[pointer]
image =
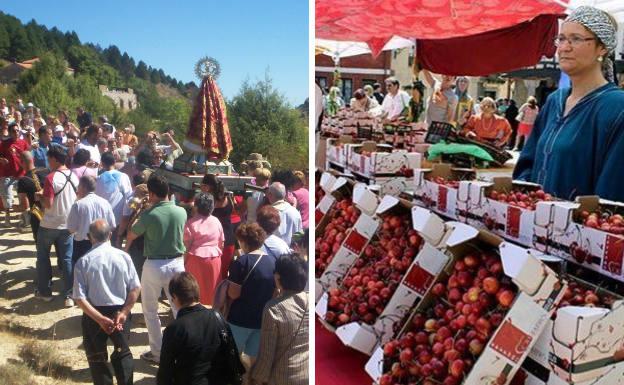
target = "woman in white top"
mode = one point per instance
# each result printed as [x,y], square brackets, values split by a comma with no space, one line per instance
[526,116]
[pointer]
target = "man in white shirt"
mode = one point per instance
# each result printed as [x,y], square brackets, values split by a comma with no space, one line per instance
[57,198]
[106,287]
[290,219]
[84,212]
[443,100]
[114,186]
[395,101]
[90,142]
[170,148]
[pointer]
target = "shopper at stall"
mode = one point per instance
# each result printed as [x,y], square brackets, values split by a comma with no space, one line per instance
[203,239]
[511,115]
[377,94]
[396,102]
[465,102]
[333,101]
[417,102]
[283,354]
[361,102]
[577,143]
[526,118]
[442,103]
[487,126]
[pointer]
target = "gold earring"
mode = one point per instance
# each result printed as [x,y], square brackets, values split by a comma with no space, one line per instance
[600,59]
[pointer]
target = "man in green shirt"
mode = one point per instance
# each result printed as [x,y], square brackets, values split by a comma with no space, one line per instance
[162,227]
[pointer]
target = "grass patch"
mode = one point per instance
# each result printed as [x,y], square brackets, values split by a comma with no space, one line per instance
[44,359]
[16,374]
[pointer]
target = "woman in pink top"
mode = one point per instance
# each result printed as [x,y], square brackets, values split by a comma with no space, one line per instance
[526,116]
[303,197]
[204,238]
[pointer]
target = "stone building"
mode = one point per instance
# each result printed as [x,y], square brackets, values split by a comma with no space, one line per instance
[124,98]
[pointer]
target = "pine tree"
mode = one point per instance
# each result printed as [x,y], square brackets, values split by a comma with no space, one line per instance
[142,71]
[5,42]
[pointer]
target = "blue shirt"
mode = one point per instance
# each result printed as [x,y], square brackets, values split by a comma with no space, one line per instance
[104,276]
[581,153]
[40,156]
[85,211]
[246,310]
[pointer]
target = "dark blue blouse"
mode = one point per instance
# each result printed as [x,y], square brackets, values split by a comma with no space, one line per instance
[581,153]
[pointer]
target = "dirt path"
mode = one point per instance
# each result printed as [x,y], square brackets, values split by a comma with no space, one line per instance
[22,316]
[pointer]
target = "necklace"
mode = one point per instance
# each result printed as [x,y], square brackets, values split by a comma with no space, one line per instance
[492,121]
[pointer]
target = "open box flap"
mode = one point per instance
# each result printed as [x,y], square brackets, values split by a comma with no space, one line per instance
[419,176]
[459,233]
[562,215]
[387,202]
[430,226]
[364,199]
[525,269]
[544,213]
[327,181]
[575,323]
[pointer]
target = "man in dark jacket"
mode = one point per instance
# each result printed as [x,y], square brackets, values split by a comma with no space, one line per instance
[510,114]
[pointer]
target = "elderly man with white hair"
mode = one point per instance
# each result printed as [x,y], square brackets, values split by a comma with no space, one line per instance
[290,218]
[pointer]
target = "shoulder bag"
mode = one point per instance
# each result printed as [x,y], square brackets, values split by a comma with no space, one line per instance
[222,302]
[228,369]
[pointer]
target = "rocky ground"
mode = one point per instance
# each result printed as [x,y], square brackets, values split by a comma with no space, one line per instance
[24,318]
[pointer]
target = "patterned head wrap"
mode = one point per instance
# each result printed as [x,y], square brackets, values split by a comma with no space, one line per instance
[598,22]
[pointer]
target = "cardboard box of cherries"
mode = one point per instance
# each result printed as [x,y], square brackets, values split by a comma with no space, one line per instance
[588,232]
[436,188]
[502,206]
[382,286]
[480,318]
[342,238]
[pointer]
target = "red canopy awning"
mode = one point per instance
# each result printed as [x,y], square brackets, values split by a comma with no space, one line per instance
[376,21]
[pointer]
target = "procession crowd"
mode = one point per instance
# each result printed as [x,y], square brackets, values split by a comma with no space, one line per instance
[119,232]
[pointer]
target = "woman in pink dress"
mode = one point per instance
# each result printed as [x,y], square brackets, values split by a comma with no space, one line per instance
[204,238]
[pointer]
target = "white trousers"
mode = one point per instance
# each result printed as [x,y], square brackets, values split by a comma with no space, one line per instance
[155,277]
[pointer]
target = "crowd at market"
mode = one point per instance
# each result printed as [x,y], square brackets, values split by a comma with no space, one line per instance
[572,143]
[119,231]
[501,122]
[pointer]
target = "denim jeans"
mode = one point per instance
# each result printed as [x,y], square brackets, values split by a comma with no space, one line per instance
[94,340]
[63,245]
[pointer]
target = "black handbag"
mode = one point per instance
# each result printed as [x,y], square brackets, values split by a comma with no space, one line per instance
[229,370]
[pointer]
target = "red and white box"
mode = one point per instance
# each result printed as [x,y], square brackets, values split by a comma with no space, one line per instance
[326,182]
[560,232]
[415,282]
[539,291]
[581,345]
[337,152]
[614,375]
[355,241]
[509,221]
[370,160]
[440,197]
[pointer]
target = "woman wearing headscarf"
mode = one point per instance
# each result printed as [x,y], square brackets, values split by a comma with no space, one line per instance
[577,143]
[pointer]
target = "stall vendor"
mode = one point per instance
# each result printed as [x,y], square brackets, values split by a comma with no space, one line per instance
[488,127]
[577,143]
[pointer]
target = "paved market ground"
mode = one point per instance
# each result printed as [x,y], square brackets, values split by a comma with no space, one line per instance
[23,317]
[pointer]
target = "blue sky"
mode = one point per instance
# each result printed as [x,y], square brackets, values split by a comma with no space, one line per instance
[245,36]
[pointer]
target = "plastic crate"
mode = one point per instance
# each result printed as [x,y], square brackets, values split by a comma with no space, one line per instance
[438,131]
